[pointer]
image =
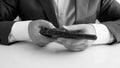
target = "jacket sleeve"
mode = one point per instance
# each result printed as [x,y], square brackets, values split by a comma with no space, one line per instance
[110,16]
[8,12]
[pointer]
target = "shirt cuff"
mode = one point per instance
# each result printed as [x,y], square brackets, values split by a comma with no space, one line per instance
[20,32]
[103,34]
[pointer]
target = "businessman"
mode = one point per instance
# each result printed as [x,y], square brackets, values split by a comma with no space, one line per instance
[68,14]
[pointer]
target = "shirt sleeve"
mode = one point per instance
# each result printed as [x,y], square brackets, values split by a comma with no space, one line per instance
[103,34]
[19,32]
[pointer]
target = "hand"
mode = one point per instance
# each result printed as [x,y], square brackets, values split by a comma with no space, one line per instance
[37,38]
[78,44]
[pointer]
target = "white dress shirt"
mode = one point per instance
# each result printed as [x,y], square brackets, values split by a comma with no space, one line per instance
[19,30]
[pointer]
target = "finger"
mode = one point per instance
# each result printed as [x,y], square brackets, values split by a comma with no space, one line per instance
[77,48]
[63,41]
[74,45]
[68,42]
[80,46]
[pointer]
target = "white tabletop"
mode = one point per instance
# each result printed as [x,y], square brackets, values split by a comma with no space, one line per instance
[26,55]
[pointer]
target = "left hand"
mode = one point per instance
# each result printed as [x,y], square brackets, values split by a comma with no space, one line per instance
[34,32]
[78,44]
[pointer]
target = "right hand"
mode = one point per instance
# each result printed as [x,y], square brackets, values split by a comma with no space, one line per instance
[78,44]
[36,37]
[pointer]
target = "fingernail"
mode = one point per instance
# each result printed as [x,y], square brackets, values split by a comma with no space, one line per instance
[65,27]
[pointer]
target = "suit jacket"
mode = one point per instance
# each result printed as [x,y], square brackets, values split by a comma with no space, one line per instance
[87,11]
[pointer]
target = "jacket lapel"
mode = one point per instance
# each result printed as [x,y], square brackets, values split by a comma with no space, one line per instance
[81,10]
[86,11]
[49,10]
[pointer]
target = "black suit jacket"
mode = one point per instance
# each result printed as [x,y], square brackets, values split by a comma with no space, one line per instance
[87,11]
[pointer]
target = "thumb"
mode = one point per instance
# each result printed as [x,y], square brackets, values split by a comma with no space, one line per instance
[72,27]
[47,24]
[50,25]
